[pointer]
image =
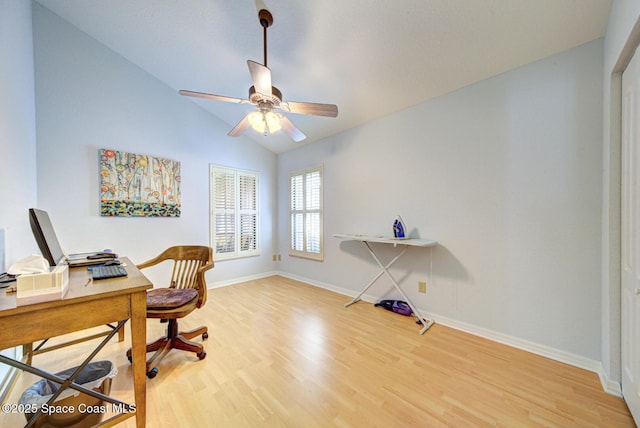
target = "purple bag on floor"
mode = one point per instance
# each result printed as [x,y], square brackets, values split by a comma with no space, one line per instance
[397,306]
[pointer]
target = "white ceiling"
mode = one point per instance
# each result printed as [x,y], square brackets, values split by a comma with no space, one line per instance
[370,57]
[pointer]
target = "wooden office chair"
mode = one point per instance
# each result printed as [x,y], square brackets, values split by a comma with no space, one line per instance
[187,292]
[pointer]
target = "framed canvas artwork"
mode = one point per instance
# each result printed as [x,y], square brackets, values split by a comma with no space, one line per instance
[134,185]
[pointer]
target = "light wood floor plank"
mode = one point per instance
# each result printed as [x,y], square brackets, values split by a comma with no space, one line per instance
[286,354]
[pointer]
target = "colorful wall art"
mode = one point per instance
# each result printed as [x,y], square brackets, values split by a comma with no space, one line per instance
[133,185]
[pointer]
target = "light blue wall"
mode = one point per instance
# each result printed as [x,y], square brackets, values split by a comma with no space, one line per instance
[505,174]
[17,131]
[87,98]
[17,139]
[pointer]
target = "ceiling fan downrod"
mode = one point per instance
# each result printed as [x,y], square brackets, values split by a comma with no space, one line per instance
[266,20]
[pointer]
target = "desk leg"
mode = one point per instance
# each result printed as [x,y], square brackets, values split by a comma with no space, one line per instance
[121,335]
[138,354]
[27,351]
[385,269]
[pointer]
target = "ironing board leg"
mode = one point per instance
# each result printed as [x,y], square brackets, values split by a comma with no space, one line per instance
[426,323]
[364,290]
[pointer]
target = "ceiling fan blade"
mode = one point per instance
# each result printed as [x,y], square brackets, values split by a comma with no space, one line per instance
[213,97]
[261,77]
[241,127]
[291,130]
[260,5]
[316,109]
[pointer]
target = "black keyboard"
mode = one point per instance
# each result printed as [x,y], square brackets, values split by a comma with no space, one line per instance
[104,272]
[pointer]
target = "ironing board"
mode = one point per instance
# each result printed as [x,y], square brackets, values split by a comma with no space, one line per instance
[405,243]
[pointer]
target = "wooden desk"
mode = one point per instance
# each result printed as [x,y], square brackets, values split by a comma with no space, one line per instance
[99,302]
[404,243]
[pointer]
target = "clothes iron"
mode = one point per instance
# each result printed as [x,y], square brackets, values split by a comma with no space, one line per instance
[399,228]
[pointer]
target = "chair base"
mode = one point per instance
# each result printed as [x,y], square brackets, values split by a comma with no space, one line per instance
[173,340]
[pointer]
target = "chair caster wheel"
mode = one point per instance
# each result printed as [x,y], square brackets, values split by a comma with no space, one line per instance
[201,355]
[152,373]
[205,335]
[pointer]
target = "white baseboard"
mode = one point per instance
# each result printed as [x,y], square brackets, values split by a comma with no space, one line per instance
[608,385]
[330,287]
[217,284]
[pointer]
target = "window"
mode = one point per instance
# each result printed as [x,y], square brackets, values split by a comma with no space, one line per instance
[306,213]
[234,212]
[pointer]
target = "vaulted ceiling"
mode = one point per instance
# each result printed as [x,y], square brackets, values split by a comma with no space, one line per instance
[370,57]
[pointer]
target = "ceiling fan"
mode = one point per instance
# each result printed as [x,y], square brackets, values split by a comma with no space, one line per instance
[268,99]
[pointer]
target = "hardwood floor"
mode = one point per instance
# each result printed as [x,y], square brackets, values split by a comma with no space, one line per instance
[284,353]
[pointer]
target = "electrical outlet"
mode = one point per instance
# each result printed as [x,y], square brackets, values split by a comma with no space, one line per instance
[274,257]
[279,257]
[422,287]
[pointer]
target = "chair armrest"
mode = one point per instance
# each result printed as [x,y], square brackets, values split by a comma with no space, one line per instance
[151,262]
[200,278]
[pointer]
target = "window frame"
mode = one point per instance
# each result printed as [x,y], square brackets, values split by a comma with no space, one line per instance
[238,251]
[305,211]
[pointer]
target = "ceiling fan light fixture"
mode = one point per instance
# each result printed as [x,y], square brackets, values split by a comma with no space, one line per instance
[262,120]
[256,119]
[273,122]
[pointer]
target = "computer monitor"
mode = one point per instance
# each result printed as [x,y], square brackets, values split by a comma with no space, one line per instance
[45,236]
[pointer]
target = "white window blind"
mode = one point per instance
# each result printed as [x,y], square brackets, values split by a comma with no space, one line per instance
[306,213]
[234,212]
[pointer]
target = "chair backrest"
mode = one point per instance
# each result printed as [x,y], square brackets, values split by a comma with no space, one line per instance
[190,262]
